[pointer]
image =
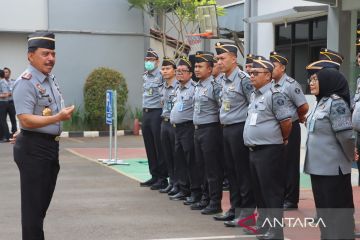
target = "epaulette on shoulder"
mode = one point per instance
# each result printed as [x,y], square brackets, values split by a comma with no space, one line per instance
[335,96]
[193,83]
[274,90]
[290,80]
[26,76]
[242,74]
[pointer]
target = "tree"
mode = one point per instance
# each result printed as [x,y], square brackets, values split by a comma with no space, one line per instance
[180,14]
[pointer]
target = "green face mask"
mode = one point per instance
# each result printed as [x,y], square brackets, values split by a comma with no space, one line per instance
[149,65]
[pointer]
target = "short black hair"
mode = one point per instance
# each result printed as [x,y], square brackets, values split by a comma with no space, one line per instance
[2,74]
[6,68]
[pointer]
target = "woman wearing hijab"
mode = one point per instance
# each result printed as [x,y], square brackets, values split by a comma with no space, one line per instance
[330,151]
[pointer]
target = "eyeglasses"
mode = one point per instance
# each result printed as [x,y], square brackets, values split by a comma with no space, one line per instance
[313,79]
[181,71]
[255,73]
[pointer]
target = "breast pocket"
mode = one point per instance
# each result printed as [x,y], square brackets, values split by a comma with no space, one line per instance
[320,120]
[41,104]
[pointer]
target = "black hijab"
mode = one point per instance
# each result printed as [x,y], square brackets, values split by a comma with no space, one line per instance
[331,81]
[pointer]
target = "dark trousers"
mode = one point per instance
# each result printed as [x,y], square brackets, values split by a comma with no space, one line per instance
[267,178]
[358,149]
[38,161]
[4,129]
[238,170]
[207,141]
[150,127]
[168,149]
[292,162]
[12,115]
[189,171]
[334,203]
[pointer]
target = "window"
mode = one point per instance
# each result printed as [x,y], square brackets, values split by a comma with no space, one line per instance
[301,42]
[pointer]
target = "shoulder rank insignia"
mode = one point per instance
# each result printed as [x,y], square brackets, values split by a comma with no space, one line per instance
[290,80]
[274,90]
[26,76]
[335,96]
[242,75]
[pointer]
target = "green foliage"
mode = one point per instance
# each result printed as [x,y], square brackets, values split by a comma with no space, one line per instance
[137,113]
[100,80]
[76,122]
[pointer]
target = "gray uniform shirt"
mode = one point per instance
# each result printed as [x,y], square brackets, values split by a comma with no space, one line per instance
[152,89]
[33,92]
[356,108]
[293,93]
[267,108]
[330,144]
[235,96]
[183,110]
[207,100]
[218,79]
[167,98]
[4,88]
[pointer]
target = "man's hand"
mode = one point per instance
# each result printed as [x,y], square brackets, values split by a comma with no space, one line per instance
[13,139]
[65,113]
[356,154]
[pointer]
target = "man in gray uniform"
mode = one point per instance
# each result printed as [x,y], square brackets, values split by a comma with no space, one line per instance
[207,136]
[248,62]
[235,95]
[40,110]
[11,108]
[267,129]
[151,123]
[217,74]
[5,94]
[187,169]
[297,101]
[167,132]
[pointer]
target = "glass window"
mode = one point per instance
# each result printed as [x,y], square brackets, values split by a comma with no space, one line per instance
[319,29]
[302,32]
[301,60]
[284,34]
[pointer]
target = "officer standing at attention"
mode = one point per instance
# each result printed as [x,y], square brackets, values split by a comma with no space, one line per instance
[5,93]
[266,131]
[235,95]
[187,169]
[207,136]
[40,110]
[11,108]
[167,132]
[217,74]
[297,101]
[151,124]
[248,62]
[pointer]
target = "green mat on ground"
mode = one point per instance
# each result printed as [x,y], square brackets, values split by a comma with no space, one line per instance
[139,169]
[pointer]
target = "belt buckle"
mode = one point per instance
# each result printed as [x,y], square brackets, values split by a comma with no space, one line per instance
[146,110]
[166,119]
[57,138]
[174,125]
[196,126]
[251,149]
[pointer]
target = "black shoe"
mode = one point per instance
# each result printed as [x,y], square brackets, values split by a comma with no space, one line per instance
[148,183]
[226,185]
[235,222]
[167,189]
[174,190]
[227,216]
[191,200]
[179,196]
[160,184]
[256,230]
[211,209]
[272,234]
[289,206]
[199,205]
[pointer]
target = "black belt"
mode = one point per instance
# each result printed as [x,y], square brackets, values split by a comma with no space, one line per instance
[199,126]
[183,124]
[233,124]
[42,135]
[259,147]
[150,109]
[11,101]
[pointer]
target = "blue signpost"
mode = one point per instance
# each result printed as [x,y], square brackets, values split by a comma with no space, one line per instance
[109,107]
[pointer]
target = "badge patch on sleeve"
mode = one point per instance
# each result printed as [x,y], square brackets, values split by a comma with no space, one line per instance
[297,90]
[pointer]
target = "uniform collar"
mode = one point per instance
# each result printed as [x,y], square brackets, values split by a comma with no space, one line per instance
[206,81]
[281,81]
[233,74]
[188,84]
[173,85]
[37,74]
[263,89]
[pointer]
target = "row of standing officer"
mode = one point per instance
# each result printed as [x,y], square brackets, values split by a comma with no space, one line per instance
[233,100]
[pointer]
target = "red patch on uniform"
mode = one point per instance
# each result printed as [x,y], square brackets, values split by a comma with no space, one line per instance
[26,76]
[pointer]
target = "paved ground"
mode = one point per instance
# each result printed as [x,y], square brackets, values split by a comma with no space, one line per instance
[95,202]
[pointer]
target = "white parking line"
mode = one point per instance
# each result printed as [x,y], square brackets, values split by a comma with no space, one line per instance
[207,238]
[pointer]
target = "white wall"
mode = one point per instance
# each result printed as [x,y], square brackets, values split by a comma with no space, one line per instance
[13,52]
[24,15]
